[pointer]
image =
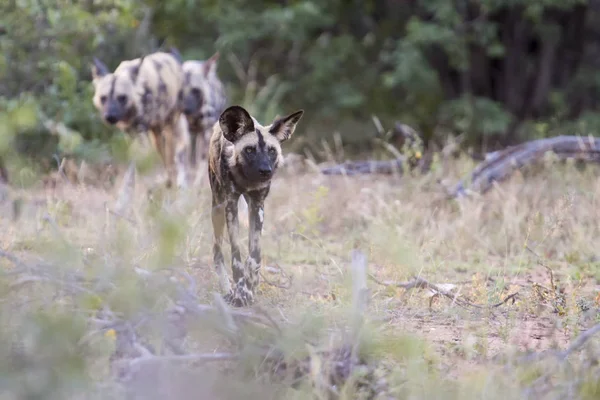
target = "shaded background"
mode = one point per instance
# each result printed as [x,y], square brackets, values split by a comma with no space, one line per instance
[495,72]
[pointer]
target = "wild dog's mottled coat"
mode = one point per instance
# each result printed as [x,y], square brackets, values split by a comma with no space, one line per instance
[243,157]
[141,95]
[203,100]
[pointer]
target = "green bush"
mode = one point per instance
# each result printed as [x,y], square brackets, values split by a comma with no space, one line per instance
[438,66]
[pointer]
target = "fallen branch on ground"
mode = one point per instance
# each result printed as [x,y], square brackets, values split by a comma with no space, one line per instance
[576,345]
[404,138]
[192,358]
[501,164]
[579,342]
[497,166]
[420,283]
[366,167]
[543,383]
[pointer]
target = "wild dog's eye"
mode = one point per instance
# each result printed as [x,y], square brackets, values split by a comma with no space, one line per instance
[102,99]
[122,99]
[272,150]
[249,150]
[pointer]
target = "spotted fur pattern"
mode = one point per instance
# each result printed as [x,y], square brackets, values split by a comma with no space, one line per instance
[243,157]
[203,99]
[141,95]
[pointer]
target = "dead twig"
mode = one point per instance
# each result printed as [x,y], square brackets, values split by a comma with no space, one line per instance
[13,259]
[267,316]
[420,283]
[579,342]
[366,167]
[195,358]
[561,356]
[555,293]
[117,214]
[278,285]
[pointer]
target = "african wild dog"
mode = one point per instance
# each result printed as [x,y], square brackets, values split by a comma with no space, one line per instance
[203,99]
[141,95]
[243,157]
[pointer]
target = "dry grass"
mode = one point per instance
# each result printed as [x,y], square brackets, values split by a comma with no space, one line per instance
[489,247]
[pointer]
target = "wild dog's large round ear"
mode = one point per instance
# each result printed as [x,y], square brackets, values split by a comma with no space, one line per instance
[175,53]
[210,65]
[134,72]
[283,128]
[235,122]
[99,69]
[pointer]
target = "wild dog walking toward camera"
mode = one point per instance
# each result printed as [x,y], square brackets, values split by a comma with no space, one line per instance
[141,95]
[243,157]
[203,100]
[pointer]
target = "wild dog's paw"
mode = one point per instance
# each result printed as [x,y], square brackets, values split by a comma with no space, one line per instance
[182,184]
[239,297]
[253,278]
[182,179]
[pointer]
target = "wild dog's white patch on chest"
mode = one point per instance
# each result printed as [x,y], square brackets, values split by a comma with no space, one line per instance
[261,214]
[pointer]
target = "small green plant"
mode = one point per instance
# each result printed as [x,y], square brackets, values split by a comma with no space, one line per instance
[312,214]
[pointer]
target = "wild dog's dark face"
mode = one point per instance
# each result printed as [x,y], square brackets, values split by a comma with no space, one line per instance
[114,95]
[257,150]
[198,78]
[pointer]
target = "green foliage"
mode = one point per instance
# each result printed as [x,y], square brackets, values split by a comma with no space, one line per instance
[44,355]
[45,64]
[18,115]
[439,66]
[475,115]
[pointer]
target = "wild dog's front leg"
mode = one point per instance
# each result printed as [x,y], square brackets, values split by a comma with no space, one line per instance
[218,223]
[240,296]
[193,149]
[181,145]
[256,219]
[175,135]
[159,141]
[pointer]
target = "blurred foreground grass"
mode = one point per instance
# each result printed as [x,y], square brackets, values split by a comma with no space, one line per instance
[85,287]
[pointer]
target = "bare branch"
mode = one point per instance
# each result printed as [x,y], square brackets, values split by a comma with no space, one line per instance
[420,283]
[366,167]
[275,284]
[13,259]
[502,164]
[202,358]
[579,342]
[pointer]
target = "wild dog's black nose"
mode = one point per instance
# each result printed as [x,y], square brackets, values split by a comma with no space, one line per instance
[191,103]
[111,119]
[265,171]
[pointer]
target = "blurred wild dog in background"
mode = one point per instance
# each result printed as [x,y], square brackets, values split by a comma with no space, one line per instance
[141,95]
[202,100]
